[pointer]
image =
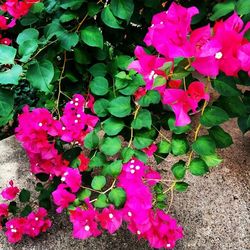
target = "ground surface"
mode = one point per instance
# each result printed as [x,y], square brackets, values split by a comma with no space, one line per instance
[215,212]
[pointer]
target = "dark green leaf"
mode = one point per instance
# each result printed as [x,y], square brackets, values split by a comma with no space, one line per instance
[98,182]
[122,8]
[151,97]
[142,120]
[109,19]
[99,86]
[111,145]
[204,145]
[91,140]
[181,186]
[179,170]
[24,195]
[198,167]
[113,126]
[101,107]
[92,36]
[117,196]
[120,107]
[222,139]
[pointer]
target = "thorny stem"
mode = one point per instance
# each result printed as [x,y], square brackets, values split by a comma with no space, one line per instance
[131,129]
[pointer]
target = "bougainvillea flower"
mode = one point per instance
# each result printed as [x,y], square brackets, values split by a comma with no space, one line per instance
[73,179]
[148,66]
[4,40]
[4,25]
[110,219]
[150,150]
[84,223]
[15,229]
[182,101]
[10,192]
[62,197]
[140,93]
[84,162]
[37,223]
[244,57]
[169,30]
[3,210]
[17,8]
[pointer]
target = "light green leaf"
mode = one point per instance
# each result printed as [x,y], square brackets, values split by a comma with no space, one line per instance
[92,36]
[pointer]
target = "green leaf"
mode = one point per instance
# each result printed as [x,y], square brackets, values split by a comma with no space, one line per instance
[7,53]
[27,34]
[83,194]
[177,129]
[111,145]
[143,120]
[222,9]
[98,69]
[120,106]
[68,40]
[40,75]
[159,81]
[72,4]
[122,8]
[117,196]
[12,208]
[11,76]
[109,19]
[101,107]
[24,195]
[113,126]
[99,86]
[163,147]
[42,177]
[213,116]
[127,153]
[226,87]
[26,49]
[144,138]
[181,186]
[98,182]
[243,7]
[113,169]
[151,97]
[101,201]
[233,105]
[123,61]
[141,156]
[26,211]
[244,123]
[92,36]
[72,153]
[179,146]
[198,167]
[204,145]
[67,17]
[179,170]
[93,9]
[91,140]
[97,161]
[6,102]
[211,160]
[222,139]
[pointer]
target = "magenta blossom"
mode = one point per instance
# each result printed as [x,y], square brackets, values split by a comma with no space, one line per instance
[182,101]
[244,57]
[3,210]
[15,229]
[62,197]
[72,178]
[110,219]
[150,150]
[10,192]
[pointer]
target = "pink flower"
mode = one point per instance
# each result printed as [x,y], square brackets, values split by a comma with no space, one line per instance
[110,219]
[244,57]
[4,40]
[37,223]
[73,179]
[62,197]
[16,8]
[148,66]
[4,25]
[84,162]
[10,192]
[169,30]
[84,223]
[150,150]
[182,101]
[3,210]
[140,93]
[15,229]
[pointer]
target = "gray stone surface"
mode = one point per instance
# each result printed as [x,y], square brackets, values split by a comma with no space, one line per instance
[215,212]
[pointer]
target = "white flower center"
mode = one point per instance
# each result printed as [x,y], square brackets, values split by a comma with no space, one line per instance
[132,166]
[132,161]
[36,218]
[40,124]
[137,167]
[78,115]
[76,104]
[132,171]
[129,214]
[76,99]
[168,245]
[63,128]
[138,232]
[218,55]
[87,228]
[76,121]
[71,102]
[151,75]
[111,216]
[63,179]
[13,230]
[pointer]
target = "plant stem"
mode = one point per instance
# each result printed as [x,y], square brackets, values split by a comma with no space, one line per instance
[131,129]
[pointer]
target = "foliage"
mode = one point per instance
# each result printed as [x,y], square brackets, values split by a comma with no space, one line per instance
[99,113]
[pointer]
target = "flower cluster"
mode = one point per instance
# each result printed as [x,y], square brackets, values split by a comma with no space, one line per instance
[38,139]
[136,179]
[32,225]
[10,192]
[16,9]
[157,227]
[208,50]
